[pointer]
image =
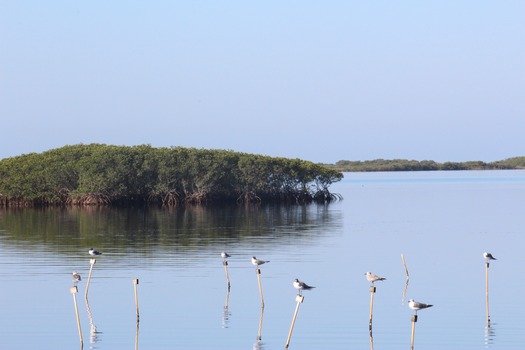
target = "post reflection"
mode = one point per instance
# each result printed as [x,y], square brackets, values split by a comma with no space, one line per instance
[93,333]
[259,345]
[137,335]
[403,297]
[489,336]
[225,312]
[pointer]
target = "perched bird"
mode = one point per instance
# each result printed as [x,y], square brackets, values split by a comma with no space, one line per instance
[488,257]
[372,278]
[415,305]
[225,255]
[300,286]
[93,252]
[76,278]
[258,262]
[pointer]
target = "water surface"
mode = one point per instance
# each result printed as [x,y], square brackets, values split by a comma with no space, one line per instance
[441,221]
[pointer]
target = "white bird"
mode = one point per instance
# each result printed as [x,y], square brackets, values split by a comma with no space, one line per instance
[372,278]
[258,262]
[76,277]
[225,255]
[300,286]
[93,252]
[415,305]
[488,257]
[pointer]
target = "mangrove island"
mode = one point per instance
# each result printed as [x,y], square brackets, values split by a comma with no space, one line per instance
[99,174]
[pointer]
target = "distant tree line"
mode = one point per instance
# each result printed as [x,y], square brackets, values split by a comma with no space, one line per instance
[98,174]
[424,165]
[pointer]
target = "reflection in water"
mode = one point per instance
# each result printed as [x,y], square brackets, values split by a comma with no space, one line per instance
[135,284]
[92,327]
[126,229]
[137,335]
[406,283]
[258,345]
[489,336]
[404,292]
[93,334]
[225,313]
[371,340]
[40,246]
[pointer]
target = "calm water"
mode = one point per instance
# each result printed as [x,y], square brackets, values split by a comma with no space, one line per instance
[441,221]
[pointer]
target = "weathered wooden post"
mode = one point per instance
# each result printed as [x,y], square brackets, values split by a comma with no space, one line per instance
[92,263]
[414,320]
[488,257]
[487,293]
[259,331]
[225,263]
[372,292]
[135,283]
[74,291]
[299,299]
[258,273]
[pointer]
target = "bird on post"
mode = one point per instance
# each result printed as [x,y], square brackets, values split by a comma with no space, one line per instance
[300,286]
[415,305]
[372,278]
[258,262]
[93,252]
[488,257]
[76,278]
[225,255]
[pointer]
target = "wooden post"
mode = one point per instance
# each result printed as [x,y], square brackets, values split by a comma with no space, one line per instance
[74,291]
[259,331]
[258,273]
[135,283]
[487,293]
[372,292]
[92,262]
[227,301]
[414,320]
[299,298]
[225,263]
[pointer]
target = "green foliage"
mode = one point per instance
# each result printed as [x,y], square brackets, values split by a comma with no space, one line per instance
[511,163]
[425,165]
[99,174]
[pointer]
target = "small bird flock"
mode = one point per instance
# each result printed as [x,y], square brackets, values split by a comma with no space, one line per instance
[76,276]
[300,285]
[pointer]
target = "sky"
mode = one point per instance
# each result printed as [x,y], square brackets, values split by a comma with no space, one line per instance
[317,80]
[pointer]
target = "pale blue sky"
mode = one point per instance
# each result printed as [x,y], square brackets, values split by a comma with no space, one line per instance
[317,80]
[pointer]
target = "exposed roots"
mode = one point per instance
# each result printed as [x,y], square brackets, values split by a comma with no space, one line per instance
[248,197]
